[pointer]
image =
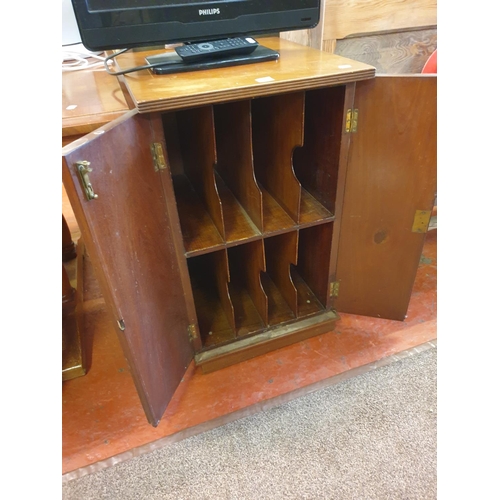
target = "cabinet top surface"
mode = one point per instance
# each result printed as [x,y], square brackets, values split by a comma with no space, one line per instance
[298,68]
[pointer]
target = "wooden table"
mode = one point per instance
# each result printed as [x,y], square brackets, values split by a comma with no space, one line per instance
[90,98]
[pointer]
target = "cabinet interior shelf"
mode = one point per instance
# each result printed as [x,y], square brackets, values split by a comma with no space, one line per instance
[245,289]
[255,189]
[254,168]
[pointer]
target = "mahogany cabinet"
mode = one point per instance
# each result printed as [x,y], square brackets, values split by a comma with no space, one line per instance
[229,222]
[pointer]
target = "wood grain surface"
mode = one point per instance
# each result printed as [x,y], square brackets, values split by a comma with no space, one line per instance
[128,232]
[391,53]
[316,163]
[342,19]
[313,265]
[90,98]
[281,252]
[278,128]
[233,132]
[298,68]
[391,175]
[196,127]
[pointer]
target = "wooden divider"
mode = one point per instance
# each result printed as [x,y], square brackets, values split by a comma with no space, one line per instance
[244,289]
[313,267]
[198,229]
[281,251]
[277,129]
[232,166]
[233,133]
[222,276]
[197,146]
[316,164]
[250,301]
[210,278]
[235,183]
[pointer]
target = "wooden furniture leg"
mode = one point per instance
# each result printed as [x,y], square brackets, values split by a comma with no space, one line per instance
[68,294]
[71,345]
[68,246]
[76,346]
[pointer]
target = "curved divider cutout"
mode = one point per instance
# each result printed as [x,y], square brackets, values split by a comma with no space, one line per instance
[210,278]
[233,133]
[190,140]
[246,262]
[281,252]
[277,129]
[316,163]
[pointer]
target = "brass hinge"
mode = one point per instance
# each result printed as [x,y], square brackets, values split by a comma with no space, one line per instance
[158,156]
[334,288]
[192,332]
[351,121]
[421,221]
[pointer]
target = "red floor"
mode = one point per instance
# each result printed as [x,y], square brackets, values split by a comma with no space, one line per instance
[103,421]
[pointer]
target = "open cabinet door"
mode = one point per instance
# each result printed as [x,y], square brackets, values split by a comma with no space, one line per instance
[389,193]
[132,236]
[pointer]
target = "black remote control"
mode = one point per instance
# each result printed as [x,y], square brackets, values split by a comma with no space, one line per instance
[216,48]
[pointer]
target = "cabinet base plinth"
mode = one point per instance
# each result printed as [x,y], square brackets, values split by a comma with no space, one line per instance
[262,343]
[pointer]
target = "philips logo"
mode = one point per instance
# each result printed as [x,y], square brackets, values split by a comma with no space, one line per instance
[208,12]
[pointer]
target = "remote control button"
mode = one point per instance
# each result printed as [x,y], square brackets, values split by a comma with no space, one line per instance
[206,46]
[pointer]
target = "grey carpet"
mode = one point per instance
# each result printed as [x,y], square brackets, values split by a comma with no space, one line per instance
[369,437]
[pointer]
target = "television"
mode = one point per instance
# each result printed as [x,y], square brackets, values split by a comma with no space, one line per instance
[128,24]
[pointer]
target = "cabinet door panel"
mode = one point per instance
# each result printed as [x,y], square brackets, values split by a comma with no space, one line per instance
[130,231]
[391,174]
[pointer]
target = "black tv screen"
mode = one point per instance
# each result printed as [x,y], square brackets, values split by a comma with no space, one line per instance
[119,24]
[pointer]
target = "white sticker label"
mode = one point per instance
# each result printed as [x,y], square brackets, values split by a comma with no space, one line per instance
[72,106]
[265,79]
[345,66]
[250,40]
